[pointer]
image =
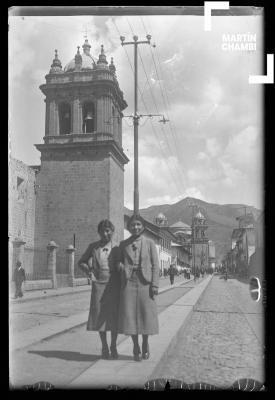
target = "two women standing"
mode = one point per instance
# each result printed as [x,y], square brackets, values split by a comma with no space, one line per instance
[125,286]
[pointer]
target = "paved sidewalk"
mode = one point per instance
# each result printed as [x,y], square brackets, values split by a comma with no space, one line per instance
[45,293]
[53,328]
[127,373]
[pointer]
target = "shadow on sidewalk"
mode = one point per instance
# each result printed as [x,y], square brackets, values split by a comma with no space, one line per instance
[72,355]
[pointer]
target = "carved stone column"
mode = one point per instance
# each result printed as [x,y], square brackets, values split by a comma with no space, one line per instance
[52,246]
[77,117]
[70,260]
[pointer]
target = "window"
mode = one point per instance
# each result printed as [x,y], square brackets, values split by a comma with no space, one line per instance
[88,113]
[20,189]
[64,119]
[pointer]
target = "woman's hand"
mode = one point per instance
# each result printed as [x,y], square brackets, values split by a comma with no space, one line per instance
[120,267]
[85,268]
[153,292]
[90,263]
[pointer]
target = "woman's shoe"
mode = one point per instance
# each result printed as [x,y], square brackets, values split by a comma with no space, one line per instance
[114,353]
[137,357]
[145,355]
[105,354]
[137,354]
[145,352]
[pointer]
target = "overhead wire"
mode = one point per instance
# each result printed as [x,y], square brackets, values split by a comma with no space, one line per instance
[165,98]
[157,111]
[153,127]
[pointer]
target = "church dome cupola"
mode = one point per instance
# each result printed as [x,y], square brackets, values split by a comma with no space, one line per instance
[78,60]
[161,220]
[102,62]
[56,66]
[86,47]
[87,61]
[200,216]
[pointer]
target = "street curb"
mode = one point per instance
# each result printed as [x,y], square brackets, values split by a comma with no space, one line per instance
[174,341]
[125,372]
[25,300]
[72,291]
[39,333]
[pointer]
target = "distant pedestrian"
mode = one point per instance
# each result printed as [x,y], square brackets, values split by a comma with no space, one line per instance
[225,274]
[197,273]
[99,261]
[19,278]
[172,273]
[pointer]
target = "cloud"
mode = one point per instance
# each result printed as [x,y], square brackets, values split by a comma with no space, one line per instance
[166,199]
[203,156]
[244,149]
[232,175]
[213,147]
[194,192]
[213,139]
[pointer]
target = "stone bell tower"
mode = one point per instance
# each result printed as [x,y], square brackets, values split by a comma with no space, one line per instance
[200,241]
[81,180]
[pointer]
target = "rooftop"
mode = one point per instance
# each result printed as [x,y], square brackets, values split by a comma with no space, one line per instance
[180,224]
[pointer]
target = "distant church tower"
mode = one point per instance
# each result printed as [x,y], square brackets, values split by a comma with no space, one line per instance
[200,241]
[81,180]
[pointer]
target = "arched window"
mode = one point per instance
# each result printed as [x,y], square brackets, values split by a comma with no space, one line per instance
[88,111]
[64,119]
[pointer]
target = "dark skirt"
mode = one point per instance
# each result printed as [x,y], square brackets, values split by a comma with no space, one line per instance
[103,315]
[137,311]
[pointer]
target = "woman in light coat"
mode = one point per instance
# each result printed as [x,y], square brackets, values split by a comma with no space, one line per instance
[139,269]
[100,259]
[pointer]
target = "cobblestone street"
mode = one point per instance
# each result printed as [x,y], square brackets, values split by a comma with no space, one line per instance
[223,340]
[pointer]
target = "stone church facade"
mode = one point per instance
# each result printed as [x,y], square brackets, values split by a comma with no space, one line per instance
[81,177]
[200,242]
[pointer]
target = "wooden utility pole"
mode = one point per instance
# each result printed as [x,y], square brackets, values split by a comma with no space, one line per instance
[136,115]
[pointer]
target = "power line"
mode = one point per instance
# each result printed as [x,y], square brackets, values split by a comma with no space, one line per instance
[153,97]
[161,80]
[157,110]
[153,128]
[165,101]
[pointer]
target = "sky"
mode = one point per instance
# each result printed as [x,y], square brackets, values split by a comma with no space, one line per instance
[211,147]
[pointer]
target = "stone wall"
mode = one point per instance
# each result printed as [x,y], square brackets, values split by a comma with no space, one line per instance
[74,196]
[22,203]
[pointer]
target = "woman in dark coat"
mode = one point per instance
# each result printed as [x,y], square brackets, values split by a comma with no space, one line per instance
[100,259]
[139,268]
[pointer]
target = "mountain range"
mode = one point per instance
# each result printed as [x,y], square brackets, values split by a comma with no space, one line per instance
[221,218]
